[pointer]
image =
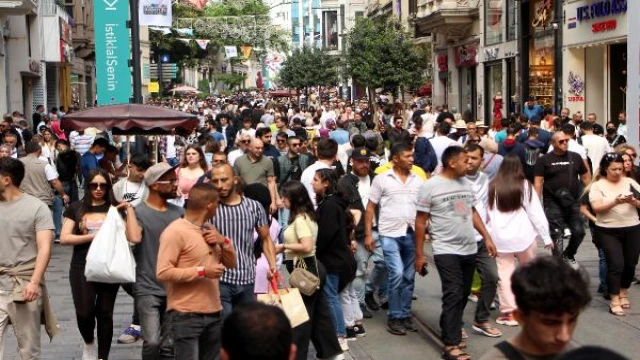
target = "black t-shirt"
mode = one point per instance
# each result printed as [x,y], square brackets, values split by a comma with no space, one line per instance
[561,172]
[91,220]
[296,169]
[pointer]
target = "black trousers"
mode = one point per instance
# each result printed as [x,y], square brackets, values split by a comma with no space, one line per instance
[560,218]
[128,288]
[488,271]
[456,276]
[319,329]
[94,303]
[621,249]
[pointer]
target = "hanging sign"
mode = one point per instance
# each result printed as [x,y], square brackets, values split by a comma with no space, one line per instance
[113,50]
[155,12]
[231,51]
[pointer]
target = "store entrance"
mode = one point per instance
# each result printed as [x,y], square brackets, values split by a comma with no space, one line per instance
[618,80]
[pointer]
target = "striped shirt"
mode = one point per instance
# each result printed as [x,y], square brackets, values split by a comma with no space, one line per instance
[237,222]
[397,202]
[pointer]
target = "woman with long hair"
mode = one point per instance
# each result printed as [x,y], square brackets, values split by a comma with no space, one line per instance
[332,247]
[94,301]
[48,145]
[300,245]
[614,199]
[192,167]
[517,221]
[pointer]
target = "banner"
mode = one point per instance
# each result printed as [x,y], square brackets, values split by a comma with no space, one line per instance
[164,30]
[202,43]
[154,87]
[231,51]
[113,50]
[246,51]
[155,12]
[184,31]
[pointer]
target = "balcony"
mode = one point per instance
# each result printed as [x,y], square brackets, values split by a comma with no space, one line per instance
[18,7]
[453,18]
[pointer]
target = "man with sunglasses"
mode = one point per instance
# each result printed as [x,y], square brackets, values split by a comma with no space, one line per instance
[293,163]
[556,182]
[281,143]
[242,142]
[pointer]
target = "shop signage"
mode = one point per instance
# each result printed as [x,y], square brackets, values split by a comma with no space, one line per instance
[491,54]
[608,25]
[542,14]
[443,63]
[154,87]
[466,55]
[112,39]
[576,87]
[601,9]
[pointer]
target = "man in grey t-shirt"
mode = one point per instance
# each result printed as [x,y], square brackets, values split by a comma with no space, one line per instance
[447,203]
[154,215]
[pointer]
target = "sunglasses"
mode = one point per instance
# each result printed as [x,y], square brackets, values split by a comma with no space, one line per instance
[633,155]
[281,141]
[294,145]
[96,186]
[563,141]
[245,141]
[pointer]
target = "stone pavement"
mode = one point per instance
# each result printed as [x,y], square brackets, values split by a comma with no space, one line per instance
[378,344]
[595,326]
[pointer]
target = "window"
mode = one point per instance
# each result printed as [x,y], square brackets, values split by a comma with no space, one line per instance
[330,27]
[359,15]
[511,19]
[493,21]
[29,21]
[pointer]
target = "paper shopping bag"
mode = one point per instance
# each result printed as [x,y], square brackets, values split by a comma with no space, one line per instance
[290,301]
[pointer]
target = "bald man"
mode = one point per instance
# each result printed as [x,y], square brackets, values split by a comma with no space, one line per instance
[253,167]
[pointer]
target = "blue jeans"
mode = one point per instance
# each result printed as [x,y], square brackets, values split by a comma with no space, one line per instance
[377,279]
[331,293]
[234,295]
[71,189]
[400,255]
[196,336]
[156,324]
[602,270]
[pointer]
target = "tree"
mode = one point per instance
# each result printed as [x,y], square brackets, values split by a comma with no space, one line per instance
[308,67]
[381,54]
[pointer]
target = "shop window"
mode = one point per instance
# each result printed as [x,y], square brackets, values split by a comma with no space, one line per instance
[330,26]
[495,98]
[511,20]
[494,10]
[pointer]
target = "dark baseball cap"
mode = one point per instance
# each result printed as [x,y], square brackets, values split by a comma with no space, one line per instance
[360,153]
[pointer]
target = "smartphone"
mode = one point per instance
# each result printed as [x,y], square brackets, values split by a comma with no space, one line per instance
[424,270]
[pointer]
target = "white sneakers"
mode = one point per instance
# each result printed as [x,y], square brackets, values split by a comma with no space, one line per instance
[89,351]
[344,344]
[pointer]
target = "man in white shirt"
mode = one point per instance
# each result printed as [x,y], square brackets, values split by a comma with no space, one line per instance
[242,142]
[442,141]
[327,151]
[596,146]
[622,126]
[429,120]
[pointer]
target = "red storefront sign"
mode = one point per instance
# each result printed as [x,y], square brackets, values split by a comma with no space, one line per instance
[466,55]
[443,63]
[603,26]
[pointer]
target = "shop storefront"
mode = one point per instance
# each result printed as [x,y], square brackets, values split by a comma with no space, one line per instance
[595,55]
[442,61]
[542,53]
[466,60]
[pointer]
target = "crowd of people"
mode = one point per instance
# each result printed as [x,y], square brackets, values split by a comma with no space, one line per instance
[356,196]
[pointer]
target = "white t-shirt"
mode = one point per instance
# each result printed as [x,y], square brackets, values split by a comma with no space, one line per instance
[133,192]
[596,146]
[171,147]
[233,155]
[307,178]
[440,143]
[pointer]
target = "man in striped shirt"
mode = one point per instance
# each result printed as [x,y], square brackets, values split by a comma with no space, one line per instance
[237,218]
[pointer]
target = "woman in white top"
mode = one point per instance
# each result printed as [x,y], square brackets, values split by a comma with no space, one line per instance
[614,199]
[516,221]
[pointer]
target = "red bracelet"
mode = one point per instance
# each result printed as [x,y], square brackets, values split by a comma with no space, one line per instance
[201,272]
[227,241]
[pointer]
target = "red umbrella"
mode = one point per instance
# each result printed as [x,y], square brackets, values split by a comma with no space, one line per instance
[131,119]
[282,93]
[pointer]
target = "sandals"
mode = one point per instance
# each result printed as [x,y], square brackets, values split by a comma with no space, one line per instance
[447,353]
[613,309]
[486,330]
[624,303]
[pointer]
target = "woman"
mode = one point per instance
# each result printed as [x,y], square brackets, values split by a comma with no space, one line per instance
[193,166]
[93,301]
[332,247]
[618,226]
[300,245]
[517,220]
[612,135]
[56,128]
[48,145]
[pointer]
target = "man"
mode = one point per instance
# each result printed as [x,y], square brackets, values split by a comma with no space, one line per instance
[511,146]
[485,263]
[442,141]
[254,167]
[597,128]
[243,142]
[531,109]
[395,191]
[219,158]
[547,311]
[8,128]
[41,178]
[357,126]
[355,187]
[570,132]
[576,121]
[212,132]
[556,177]
[339,134]
[281,143]
[154,214]
[622,123]
[471,132]
[270,151]
[293,164]
[265,327]
[37,117]
[397,133]
[281,125]
[89,160]
[237,219]
[533,150]
[543,135]
[227,130]
[11,141]
[565,115]
[25,250]
[595,146]
[191,260]
[327,151]
[448,203]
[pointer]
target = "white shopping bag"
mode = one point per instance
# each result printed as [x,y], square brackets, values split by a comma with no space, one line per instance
[109,259]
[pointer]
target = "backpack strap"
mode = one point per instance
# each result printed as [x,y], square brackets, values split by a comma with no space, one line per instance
[489,161]
[509,351]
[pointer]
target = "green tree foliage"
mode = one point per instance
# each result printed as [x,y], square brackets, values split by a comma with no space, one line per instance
[231,80]
[381,54]
[308,67]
